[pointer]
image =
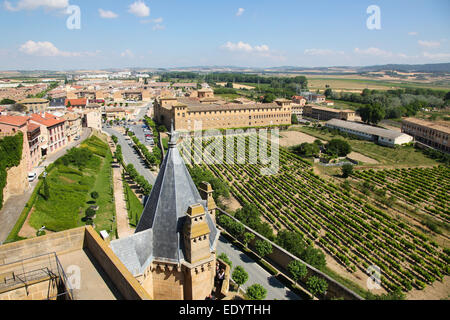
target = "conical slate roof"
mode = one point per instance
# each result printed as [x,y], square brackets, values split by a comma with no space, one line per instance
[164,215]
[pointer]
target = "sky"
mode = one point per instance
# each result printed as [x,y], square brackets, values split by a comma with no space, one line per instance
[41,34]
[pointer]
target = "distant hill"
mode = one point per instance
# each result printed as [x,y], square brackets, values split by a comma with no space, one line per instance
[428,68]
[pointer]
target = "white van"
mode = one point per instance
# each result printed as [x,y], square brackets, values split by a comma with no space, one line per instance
[32,176]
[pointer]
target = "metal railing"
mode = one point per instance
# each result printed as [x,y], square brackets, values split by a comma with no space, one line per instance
[23,273]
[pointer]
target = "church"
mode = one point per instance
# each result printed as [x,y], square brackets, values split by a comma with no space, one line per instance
[173,250]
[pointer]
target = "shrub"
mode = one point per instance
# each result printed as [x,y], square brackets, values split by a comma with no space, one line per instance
[240,276]
[263,248]
[256,292]
[94,195]
[298,270]
[347,170]
[316,285]
[90,212]
[225,259]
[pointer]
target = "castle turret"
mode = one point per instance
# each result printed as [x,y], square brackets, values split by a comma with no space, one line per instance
[206,192]
[196,235]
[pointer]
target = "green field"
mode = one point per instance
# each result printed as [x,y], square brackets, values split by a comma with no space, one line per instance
[407,155]
[70,190]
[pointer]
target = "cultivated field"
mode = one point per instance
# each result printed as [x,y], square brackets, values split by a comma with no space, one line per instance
[354,232]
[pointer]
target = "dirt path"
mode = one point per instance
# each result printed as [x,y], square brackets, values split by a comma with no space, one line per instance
[437,291]
[232,204]
[123,226]
[358,277]
[362,158]
[28,231]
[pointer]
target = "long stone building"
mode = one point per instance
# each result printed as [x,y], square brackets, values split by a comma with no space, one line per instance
[432,134]
[173,251]
[216,114]
[322,113]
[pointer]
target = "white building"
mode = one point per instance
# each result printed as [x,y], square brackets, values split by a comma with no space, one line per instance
[382,136]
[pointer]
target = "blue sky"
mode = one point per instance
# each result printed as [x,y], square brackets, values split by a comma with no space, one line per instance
[257,33]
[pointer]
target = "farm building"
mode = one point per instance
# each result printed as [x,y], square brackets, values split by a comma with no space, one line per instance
[382,136]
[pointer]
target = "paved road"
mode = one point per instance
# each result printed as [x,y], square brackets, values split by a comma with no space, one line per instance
[275,289]
[130,156]
[14,206]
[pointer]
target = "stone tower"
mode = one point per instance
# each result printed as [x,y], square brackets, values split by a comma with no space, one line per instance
[173,251]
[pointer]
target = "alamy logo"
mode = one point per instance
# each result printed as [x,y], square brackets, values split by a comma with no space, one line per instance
[374,20]
[74,277]
[74,20]
[374,281]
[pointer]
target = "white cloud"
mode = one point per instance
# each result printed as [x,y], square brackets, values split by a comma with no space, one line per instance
[106,14]
[36,4]
[139,9]
[322,52]
[373,52]
[157,20]
[127,54]
[413,33]
[429,44]
[47,49]
[436,55]
[245,47]
[158,27]
[255,51]
[240,12]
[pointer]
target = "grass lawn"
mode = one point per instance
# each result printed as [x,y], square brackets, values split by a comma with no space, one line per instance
[228,96]
[407,156]
[134,205]
[70,193]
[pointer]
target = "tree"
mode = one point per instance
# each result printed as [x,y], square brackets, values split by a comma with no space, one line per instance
[68,104]
[18,107]
[7,101]
[269,98]
[240,276]
[338,147]
[347,170]
[447,96]
[256,292]
[248,237]
[94,195]
[328,93]
[306,149]
[317,286]
[162,128]
[225,259]
[46,190]
[263,248]
[294,119]
[237,229]
[372,114]
[90,213]
[298,270]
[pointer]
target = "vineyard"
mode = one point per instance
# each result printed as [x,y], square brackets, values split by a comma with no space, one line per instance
[426,189]
[355,233]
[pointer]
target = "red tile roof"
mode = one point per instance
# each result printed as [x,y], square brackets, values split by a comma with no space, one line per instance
[32,127]
[47,119]
[76,102]
[17,121]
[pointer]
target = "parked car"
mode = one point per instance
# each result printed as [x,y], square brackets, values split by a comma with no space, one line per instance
[77,138]
[32,176]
